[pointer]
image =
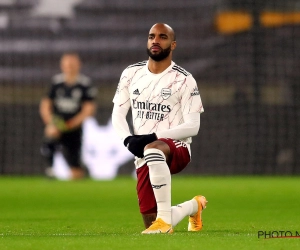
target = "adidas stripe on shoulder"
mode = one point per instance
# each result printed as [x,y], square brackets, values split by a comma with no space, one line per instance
[143,63]
[181,70]
[84,80]
[58,78]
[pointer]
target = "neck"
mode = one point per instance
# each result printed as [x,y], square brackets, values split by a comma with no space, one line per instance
[70,79]
[158,67]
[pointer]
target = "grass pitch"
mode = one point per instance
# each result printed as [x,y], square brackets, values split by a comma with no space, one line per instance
[36,213]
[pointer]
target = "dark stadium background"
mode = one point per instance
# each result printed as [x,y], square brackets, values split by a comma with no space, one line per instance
[243,54]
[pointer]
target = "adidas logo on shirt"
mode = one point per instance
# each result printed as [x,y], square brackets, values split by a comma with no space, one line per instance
[136,92]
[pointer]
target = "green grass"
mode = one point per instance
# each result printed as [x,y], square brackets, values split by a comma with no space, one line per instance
[36,213]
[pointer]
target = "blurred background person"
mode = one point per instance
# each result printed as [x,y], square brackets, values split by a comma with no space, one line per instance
[70,100]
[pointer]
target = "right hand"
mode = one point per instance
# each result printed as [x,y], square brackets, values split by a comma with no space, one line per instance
[137,143]
[51,131]
[130,144]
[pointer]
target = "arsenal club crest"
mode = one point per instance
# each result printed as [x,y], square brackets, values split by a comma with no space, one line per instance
[165,93]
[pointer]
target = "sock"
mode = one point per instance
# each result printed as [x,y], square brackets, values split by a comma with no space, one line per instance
[182,210]
[160,178]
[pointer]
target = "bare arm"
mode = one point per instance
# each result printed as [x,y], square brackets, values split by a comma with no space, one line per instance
[46,110]
[46,114]
[88,109]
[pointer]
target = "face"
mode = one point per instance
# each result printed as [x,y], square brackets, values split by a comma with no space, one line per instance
[160,42]
[70,64]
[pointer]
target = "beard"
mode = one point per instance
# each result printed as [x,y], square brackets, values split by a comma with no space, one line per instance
[161,55]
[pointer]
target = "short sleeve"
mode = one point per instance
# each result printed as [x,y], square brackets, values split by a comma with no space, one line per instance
[90,93]
[51,92]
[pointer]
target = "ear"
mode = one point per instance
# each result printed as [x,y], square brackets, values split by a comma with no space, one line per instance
[173,45]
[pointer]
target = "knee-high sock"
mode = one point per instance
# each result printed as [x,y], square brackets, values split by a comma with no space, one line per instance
[182,210]
[160,178]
